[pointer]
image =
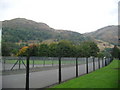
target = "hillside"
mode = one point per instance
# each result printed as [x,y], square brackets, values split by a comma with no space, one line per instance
[23,30]
[107,34]
[102,44]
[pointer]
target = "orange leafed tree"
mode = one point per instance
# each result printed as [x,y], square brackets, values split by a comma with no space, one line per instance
[23,51]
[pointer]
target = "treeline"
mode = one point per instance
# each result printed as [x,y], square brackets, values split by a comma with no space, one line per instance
[116,52]
[10,49]
[61,49]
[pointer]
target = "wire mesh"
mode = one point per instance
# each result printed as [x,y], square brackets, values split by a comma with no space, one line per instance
[44,71]
[82,66]
[68,68]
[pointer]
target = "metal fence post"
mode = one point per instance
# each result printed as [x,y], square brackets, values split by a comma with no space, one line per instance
[59,69]
[52,61]
[4,64]
[109,60]
[76,67]
[105,62]
[27,72]
[93,64]
[87,65]
[33,63]
[44,62]
[102,62]
[19,62]
[99,63]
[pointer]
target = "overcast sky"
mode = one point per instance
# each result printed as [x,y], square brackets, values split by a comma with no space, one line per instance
[76,15]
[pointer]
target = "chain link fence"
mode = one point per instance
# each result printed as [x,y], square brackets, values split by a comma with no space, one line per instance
[45,71]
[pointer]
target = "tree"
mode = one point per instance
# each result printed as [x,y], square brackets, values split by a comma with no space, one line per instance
[53,50]
[43,50]
[9,49]
[78,51]
[89,49]
[101,54]
[94,49]
[34,49]
[115,52]
[23,51]
[64,48]
[5,49]
[85,49]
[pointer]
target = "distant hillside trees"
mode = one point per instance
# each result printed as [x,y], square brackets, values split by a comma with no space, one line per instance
[24,30]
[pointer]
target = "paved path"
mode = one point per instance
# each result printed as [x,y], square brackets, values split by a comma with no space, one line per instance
[44,78]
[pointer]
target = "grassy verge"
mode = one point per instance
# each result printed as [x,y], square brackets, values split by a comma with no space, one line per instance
[106,77]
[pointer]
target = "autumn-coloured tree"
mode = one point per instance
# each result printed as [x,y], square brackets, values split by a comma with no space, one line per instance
[22,51]
[31,49]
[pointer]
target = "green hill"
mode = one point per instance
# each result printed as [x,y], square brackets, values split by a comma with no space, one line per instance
[23,30]
[107,34]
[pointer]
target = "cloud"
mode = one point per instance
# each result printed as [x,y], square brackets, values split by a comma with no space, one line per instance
[77,15]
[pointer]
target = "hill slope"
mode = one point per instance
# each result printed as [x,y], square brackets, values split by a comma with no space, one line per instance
[108,34]
[21,29]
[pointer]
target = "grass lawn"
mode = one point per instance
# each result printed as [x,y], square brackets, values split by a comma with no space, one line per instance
[106,77]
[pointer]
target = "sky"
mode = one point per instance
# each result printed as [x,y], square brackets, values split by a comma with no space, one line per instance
[76,15]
